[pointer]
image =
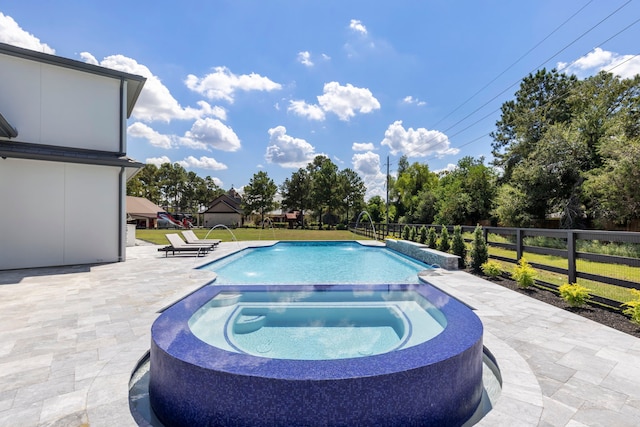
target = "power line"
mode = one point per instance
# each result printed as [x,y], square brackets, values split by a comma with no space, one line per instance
[514,63]
[424,145]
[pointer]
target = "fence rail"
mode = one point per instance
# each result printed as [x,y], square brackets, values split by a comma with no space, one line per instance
[515,239]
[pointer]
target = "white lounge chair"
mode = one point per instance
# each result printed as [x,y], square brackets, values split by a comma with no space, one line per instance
[191,238]
[179,245]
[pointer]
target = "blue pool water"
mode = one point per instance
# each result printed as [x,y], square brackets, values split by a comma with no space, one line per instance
[317,263]
[317,325]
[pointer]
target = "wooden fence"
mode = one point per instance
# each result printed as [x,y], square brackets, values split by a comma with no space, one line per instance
[514,239]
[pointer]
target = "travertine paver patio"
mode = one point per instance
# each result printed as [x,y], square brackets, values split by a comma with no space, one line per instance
[70,337]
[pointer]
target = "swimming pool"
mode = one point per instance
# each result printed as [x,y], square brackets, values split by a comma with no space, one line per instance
[317,262]
[316,347]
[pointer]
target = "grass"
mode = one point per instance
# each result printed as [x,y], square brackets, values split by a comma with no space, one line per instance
[157,236]
[616,293]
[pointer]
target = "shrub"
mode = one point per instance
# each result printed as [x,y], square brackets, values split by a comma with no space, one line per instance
[405,232]
[445,243]
[412,234]
[423,235]
[479,252]
[633,307]
[574,294]
[458,247]
[432,238]
[492,269]
[524,274]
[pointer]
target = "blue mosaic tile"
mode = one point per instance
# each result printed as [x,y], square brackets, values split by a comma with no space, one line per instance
[438,382]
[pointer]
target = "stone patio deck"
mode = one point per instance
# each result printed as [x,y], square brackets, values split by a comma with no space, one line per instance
[71,336]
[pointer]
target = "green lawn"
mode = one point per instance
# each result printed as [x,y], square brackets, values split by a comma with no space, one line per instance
[157,236]
[615,293]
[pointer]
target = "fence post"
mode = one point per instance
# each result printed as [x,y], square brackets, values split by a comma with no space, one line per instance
[571,256]
[519,244]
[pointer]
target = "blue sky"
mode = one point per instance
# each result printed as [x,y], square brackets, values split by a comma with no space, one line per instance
[235,87]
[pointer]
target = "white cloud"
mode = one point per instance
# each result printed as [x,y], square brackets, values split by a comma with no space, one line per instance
[310,111]
[305,58]
[158,160]
[419,142]
[155,102]
[222,84]
[625,66]
[11,33]
[211,133]
[287,151]
[344,101]
[411,100]
[367,163]
[202,163]
[362,146]
[368,166]
[449,168]
[140,130]
[357,26]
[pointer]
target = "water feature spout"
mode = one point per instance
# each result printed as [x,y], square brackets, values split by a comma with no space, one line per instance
[375,235]
[233,236]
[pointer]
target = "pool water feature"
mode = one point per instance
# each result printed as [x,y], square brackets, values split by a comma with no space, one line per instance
[317,325]
[317,262]
[434,380]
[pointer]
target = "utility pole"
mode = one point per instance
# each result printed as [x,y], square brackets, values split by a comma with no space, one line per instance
[387,193]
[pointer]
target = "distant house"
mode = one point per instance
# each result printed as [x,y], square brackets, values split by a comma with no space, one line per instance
[143,212]
[63,164]
[226,210]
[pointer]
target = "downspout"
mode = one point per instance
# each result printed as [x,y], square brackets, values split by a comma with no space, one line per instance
[122,176]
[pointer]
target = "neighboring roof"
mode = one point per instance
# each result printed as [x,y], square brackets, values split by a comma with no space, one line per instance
[224,204]
[139,206]
[6,130]
[134,82]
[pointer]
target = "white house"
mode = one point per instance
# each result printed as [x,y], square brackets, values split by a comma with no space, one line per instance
[63,164]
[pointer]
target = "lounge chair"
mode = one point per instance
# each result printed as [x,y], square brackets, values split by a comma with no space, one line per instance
[191,238]
[179,245]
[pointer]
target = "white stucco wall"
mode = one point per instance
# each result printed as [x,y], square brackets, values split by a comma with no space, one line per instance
[59,106]
[58,213]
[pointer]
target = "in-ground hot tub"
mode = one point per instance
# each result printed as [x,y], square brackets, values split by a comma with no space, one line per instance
[254,355]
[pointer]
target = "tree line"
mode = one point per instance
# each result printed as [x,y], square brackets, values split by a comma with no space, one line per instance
[563,148]
[330,194]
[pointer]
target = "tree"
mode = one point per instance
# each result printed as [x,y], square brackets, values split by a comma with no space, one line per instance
[458,246]
[410,186]
[556,135]
[445,243]
[145,184]
[351,190]
[466,193]
[479,252]
[171,178]
[323,193]
[376,208]
[613,188]
[541,101]
[259,195]
[296,191]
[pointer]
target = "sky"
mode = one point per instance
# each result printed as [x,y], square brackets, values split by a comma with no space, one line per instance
[235,87]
